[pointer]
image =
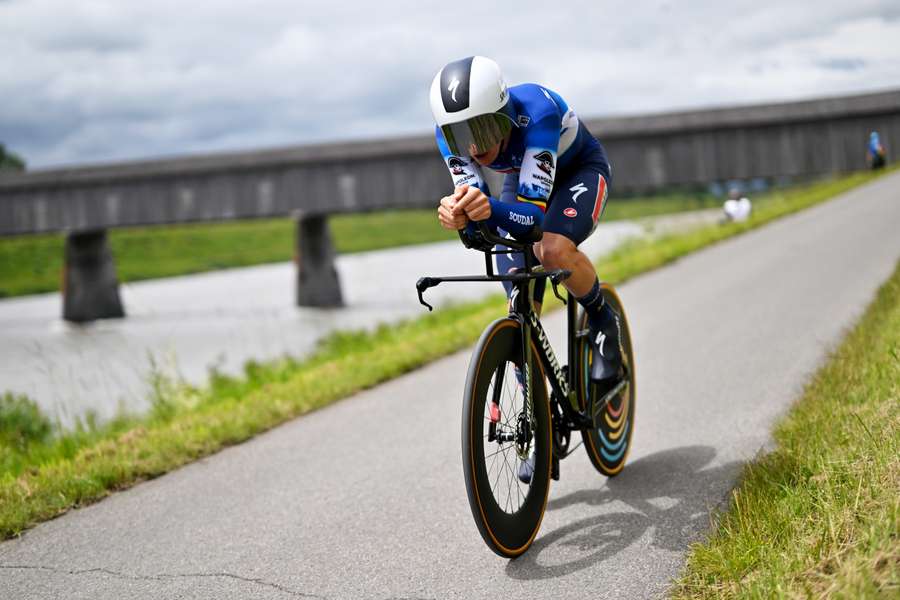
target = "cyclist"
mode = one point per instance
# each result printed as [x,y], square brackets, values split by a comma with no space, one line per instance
[875,152]
[557,178]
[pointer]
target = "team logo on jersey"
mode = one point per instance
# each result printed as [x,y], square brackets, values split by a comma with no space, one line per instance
[579,189]
[570,212]
[544,161]
[523,120]
[456,165]
[526,220]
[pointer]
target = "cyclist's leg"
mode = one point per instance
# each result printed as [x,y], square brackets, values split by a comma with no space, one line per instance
[506,263]
[574,210]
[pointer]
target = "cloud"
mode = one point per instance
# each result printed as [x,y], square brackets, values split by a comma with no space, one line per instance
[842,64]
[101,80]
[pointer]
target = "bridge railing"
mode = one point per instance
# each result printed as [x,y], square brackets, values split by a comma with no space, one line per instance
[647,152]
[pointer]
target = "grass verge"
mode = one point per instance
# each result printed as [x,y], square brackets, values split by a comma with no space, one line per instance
[820,515]
[33,264]
[42,477]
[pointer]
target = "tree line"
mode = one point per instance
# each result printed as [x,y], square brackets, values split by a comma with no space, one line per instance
[10,161]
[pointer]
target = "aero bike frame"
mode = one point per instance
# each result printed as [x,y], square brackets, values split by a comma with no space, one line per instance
[562,379]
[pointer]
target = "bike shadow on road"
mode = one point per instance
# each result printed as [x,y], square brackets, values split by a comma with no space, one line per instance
[666,497]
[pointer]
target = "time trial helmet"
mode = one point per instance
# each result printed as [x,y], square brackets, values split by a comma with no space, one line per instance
[470,104]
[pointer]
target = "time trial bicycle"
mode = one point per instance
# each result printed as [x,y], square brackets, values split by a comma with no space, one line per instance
[510,425]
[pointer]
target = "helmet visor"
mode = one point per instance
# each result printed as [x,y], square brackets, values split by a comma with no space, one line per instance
[476,135]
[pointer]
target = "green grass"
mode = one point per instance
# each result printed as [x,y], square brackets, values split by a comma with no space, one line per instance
[42,478]
[619,209]
[820,515]
[33,264]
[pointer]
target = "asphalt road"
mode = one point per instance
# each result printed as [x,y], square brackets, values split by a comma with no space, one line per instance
[365,499]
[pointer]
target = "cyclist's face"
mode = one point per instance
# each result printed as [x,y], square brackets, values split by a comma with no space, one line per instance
[486,157]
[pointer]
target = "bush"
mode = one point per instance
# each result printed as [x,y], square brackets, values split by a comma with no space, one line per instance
[22,422]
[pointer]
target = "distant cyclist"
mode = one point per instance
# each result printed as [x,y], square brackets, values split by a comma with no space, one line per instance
[557,178]
[875,152]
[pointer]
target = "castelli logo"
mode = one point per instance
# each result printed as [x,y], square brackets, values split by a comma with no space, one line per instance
[570,212]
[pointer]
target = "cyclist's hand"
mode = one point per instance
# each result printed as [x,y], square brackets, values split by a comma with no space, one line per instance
[448,219]
[473,203]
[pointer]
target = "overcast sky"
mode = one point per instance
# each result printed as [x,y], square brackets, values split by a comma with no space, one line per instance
[103,80]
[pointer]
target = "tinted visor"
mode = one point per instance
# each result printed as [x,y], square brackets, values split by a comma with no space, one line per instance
[476,135]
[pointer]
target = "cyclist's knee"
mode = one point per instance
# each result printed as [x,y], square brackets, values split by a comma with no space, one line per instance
[557,251]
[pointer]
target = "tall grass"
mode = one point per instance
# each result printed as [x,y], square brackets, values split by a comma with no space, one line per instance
[819,517]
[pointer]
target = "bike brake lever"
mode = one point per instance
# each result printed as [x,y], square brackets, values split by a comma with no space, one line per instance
[423,284]
[556,278]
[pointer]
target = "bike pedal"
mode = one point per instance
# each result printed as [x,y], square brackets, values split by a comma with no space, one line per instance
[554,469]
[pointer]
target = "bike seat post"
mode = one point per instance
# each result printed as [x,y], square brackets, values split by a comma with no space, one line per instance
[572,321]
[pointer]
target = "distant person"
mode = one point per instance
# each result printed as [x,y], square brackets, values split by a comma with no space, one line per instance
[875,153]
[737,208]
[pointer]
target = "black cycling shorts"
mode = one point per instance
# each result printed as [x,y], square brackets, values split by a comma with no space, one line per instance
[576,205]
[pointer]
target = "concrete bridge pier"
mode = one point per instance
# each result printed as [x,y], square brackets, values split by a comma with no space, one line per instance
[90,285]
[317,278]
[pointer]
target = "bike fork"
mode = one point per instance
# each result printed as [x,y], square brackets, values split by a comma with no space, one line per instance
[495,405]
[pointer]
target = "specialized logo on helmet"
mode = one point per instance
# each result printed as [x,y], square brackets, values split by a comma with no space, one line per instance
[544,161]
[454,85]
[457,165]
[452,88]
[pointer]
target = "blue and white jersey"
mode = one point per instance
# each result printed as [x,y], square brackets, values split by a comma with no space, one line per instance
[548,137]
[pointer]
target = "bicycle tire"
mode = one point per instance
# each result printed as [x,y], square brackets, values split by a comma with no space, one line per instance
[510,529]
[608,445]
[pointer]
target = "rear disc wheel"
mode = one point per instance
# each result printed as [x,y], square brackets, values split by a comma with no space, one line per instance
[607,446]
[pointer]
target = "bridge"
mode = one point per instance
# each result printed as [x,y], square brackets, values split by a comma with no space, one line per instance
[677,149]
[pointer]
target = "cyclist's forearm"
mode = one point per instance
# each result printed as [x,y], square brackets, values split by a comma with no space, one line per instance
[517,218]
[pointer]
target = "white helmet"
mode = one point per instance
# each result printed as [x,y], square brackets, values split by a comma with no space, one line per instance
[470,104]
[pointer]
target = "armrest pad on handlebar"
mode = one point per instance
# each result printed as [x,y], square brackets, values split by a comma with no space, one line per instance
[533,236]
[475,242]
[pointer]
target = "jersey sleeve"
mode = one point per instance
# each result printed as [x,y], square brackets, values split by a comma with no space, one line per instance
[516,218]
[510,186]
[463,170]
[539,162]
